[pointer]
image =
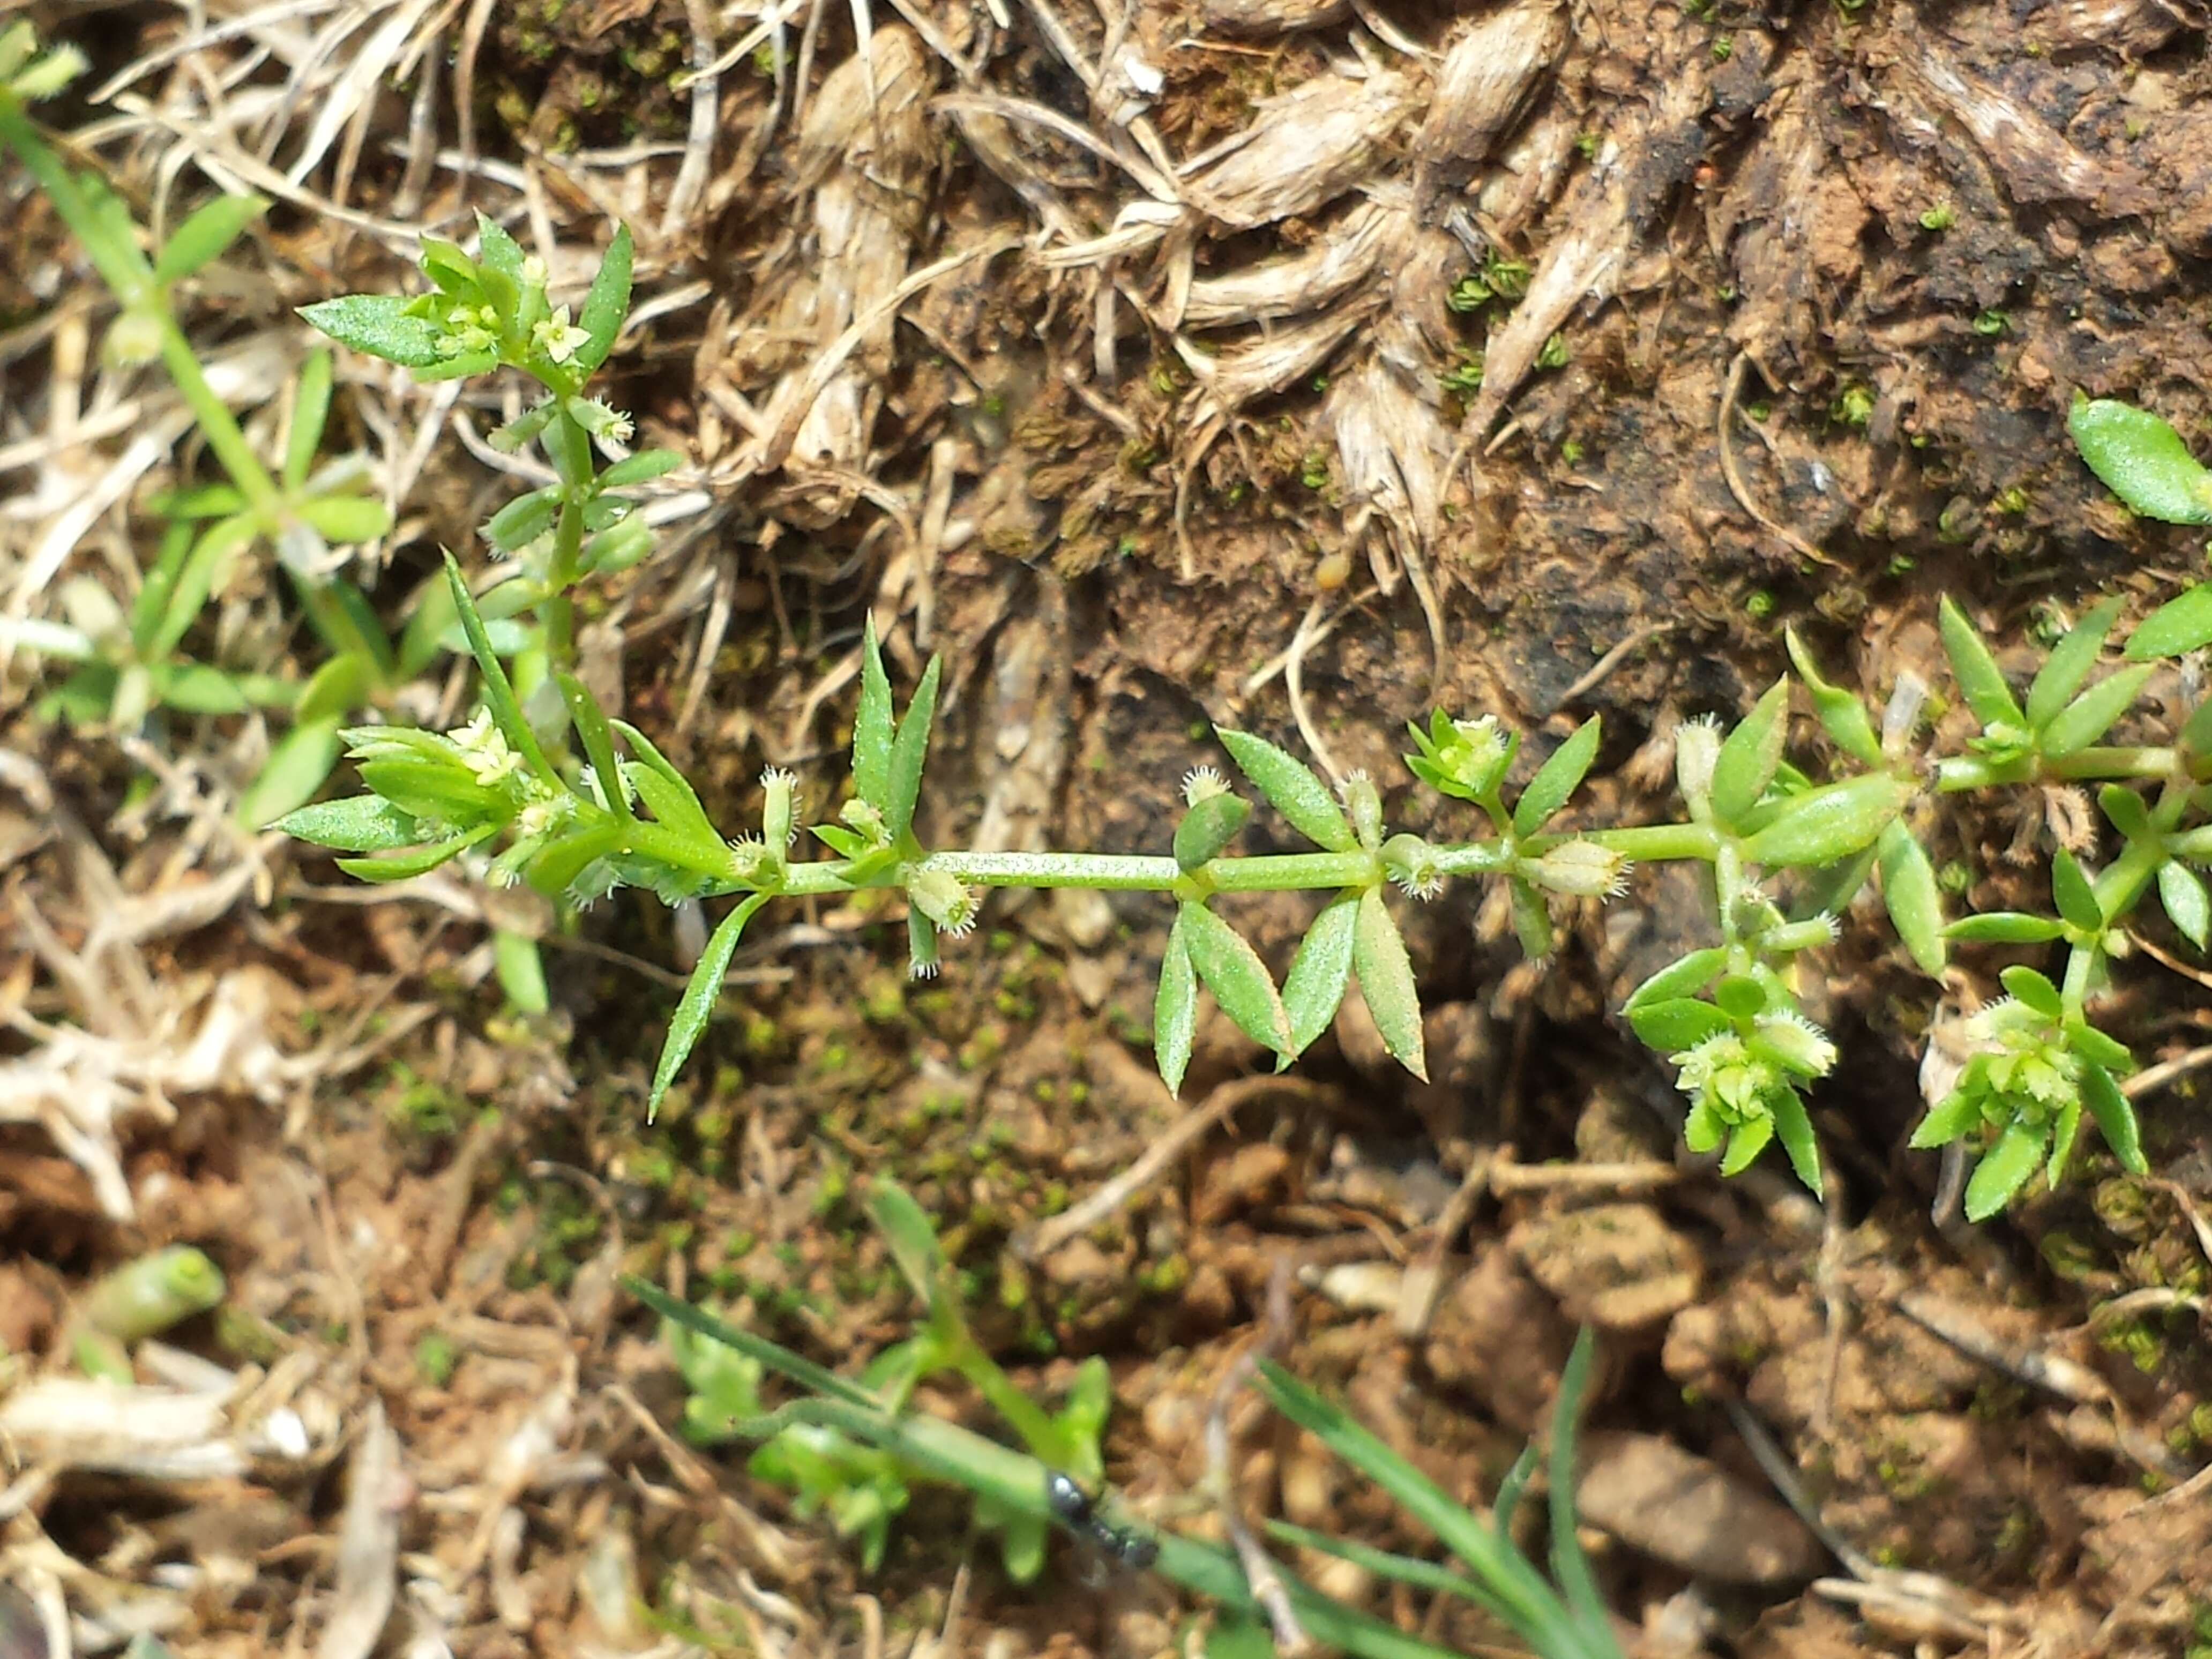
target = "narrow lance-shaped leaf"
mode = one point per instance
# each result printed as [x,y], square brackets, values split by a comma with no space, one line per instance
[1795,1131]
[1683,977]
[2033,989]
[1841,714]
[2069,663]
[1174,1010]
[2005,928]
[1532,920]
[1320,970]
[295,770]
[871,726]
[520,970]
[205,234]
[1830,823]
[311,409]
[1914,902]
[607,303]
[1209,826]
[2005,1168]
[591,725]
[1232,970]
[2180,624]
[2116,1118]
[2186,903]
[2076,897]
[1746,1142]
[910,750]
[1291,787]
[498,691]
[416,861]
[1557,780]
[2088,717]
[1386,981]
[1979,677]
[378,325]
[696,1005]
[2142,460]
[1750,754]
[1671,1024]
[359,823]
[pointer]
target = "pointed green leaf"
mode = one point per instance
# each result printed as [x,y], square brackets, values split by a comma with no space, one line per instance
[205,234]
[2005,1168]
[2099,1049]
[1677,1023]
[2142,460]
[1746,1142]
[498,251]
[2181,891]
[1557,780]
[2069,663]
[873,729]
[196,688]
[1320,970]
[607,303]
[295,770]
[2075,895]
[910,750]
[1830,823]
[378,325]
[206,568]
[1740,997]
[2086,719]
[644,466]
[343,519]
[417,861]
[591,725]
[359,823]
[2005,928]
[2064,1126]
[2126,811]
[1750,754]
[1292,788]
[523,519]
[339,687]
[1386,980]
[2032,989]
[311,409]
[700,995]
[673,805]
[1683,977]
[1915,903]
[1232,970]
[498,691]
[1979,676]
[1841,714]
[1796,1130]
[2116,1118]
[554,868]
[1174,1010]
[520,971]
[2178,625]
[1949,1119]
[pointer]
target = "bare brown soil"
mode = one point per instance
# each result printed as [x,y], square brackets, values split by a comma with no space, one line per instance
[1803,292]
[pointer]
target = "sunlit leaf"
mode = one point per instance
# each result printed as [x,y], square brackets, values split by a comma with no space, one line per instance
[2178,625]
[2005,1168]
[1830,823]
[2116,1118]
[2069,663]
[607,303]
[417,861]
[1320,970]
[1232,970]
[2005,928]
[1914,901]
[1842,715]
[2074,894]
[700,995]
[380,326]
[205,234]
[1386,981]
[1750,754]
[2033,989]
[1292,788]
[2142,460]
[1979,677]
[2181,892]
[359,823]
[1174,1010]
[2088,716]
[910,750]
[295,770]
[311,408]
[1557,780]
[1683,977]
[1677,1023]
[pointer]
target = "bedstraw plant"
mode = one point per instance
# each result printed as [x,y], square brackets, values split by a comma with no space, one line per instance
[548,790]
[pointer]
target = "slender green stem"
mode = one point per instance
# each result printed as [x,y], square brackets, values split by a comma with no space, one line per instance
[1657,842]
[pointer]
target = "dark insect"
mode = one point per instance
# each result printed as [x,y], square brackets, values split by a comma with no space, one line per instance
[1076,1510]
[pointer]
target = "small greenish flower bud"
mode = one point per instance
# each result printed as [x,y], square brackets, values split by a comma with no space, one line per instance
[777,787]
[133,339]
[545,815]
[1581,869]
[1365,808]
[600,421]
[941,896]
[1807,935]
[865,818]
[1725,1076]
[1697,752]
[1202,783]
[1412,863]
[1477,754]
[1796,1043]
[534,274]
[751,860]
[45,75]
[2001,742]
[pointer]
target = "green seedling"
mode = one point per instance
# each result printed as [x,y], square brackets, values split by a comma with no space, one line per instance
[861,1484]
[1560,1615]
[128,664]
[138,1300]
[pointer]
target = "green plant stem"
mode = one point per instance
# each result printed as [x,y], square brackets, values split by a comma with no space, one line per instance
[1954,773]
[1658,843]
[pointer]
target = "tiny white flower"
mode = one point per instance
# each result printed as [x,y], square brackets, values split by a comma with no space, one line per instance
[557,337]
